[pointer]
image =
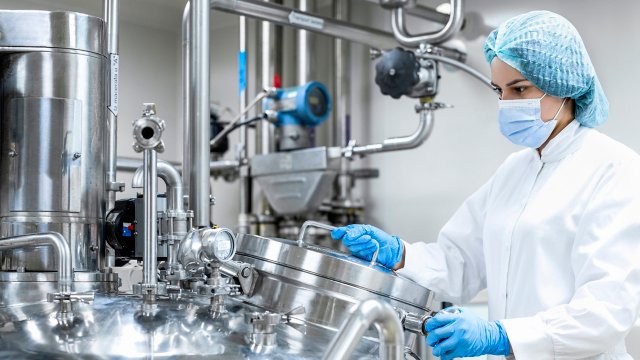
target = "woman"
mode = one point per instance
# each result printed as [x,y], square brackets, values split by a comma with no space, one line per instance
[554,235]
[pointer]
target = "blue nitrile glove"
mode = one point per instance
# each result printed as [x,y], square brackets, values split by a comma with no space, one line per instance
[361,241]
[460,333]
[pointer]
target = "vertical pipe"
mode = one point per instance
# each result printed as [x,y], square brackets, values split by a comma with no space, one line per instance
[342,60]
[268,71]
[245,179]
[199,112]
[341,133]
[186,96]
[150,256]
[112,21]
[304,48]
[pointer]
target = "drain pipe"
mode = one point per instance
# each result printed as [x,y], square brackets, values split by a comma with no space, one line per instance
[425,127]
[369,312]
[54,239]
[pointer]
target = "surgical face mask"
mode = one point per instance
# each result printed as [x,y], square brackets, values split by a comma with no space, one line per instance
[521,123]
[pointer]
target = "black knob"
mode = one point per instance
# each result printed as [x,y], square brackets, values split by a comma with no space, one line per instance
[397,72]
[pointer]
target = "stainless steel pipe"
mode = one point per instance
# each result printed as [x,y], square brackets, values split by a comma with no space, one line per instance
[304,48]
[186,96]
[132,164]
[53,239]
[243,141]
[422,133]
[451,28]
[462,66]
[198,58]
[280,15]
[150,256]
[172,179]
[112,20]
[369,312]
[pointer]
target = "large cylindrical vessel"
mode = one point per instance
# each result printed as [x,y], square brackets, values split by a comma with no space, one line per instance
[52,130]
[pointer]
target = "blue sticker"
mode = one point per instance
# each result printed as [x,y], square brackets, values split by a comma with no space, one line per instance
[242,71]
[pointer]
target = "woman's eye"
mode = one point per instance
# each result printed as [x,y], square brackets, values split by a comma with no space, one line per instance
[497,90]
[520,89]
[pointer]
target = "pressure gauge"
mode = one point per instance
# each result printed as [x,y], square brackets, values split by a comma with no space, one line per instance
[219,244]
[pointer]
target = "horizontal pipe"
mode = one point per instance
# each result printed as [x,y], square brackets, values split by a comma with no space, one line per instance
[462,66]
[451,28]
[54,239]
[132,164]
[369,312]
[422,133]
[171,178]
[280,15]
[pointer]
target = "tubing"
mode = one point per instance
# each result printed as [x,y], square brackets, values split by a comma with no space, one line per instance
[54,239]
[369,312]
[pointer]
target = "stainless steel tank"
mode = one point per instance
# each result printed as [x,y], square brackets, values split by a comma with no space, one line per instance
[52,135]
[123,328]
[328,283]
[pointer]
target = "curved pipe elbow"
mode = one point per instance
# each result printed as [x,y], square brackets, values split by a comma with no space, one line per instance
[450,29]
[171,178]
[369,312]
[422,133]
[54,239]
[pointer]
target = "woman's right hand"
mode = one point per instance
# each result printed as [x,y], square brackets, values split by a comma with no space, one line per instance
[363,240]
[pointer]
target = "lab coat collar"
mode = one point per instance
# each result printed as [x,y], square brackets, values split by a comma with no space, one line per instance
[568,141]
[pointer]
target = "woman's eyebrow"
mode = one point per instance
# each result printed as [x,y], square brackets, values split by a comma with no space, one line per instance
[513,82]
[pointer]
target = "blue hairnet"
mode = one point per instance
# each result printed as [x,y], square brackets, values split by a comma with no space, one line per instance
[549,52]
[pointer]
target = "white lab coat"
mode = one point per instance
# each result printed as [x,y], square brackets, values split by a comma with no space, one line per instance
[556,241]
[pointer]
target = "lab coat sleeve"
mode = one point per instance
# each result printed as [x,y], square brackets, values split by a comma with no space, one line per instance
[453,267]
[605,261]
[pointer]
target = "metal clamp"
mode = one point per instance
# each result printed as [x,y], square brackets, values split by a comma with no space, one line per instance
[86,298]
[263,325]
[416,323]
[310,223]
[65,302]
[246,274]
[116,186]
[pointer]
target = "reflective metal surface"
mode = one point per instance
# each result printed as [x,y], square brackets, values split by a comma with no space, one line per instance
[24,29]
[32,287]
[53,155]
[296,182]
[123,328]
[198,103]
[368,313]
[327,283]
